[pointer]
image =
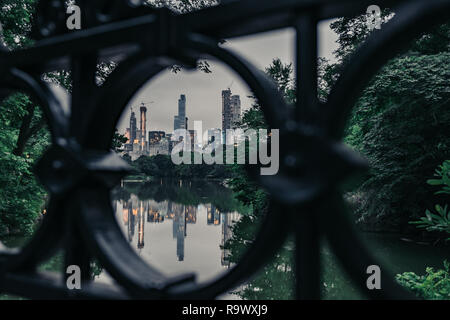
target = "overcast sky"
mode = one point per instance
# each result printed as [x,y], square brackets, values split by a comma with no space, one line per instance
[203,91]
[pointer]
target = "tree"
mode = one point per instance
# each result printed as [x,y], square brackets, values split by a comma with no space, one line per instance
[118,141]
[276,278]
[23,137]
[400,123]
[15,18]
[21,197]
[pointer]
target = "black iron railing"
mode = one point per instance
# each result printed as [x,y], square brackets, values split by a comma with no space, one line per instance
[79,171]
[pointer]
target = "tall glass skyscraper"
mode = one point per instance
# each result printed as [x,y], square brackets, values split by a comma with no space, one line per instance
[180,119]
[133,127]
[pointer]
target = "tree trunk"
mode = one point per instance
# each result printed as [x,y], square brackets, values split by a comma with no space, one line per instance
[24,131]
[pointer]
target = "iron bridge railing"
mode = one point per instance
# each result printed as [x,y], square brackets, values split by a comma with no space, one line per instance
[79,170]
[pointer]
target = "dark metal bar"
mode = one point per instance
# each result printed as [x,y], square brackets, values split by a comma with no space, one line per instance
[76,255]
[307,258]
[84,41]
[306,66]
[235,19]
[47,285]
[83,89]
[228,20]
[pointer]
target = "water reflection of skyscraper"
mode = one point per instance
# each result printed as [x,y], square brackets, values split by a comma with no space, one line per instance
[229,219]
[129,219]
[191,214]
[213,213]
[141,225]
[137,212]
[154,216]
[179,228]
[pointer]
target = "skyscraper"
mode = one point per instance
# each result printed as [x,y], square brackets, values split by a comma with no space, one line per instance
[213,215]
[229,219]
[155,137]
[213,135]
[179,228]
[231,111]
[143,128]
[226,110]
[180,119]
[133,127]
[235,109]
[141,225]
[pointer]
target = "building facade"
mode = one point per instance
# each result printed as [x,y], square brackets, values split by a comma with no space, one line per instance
[231,111]
[180,119]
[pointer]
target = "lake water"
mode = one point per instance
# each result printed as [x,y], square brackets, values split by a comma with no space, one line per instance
[184,230]
[178,226]
[183,226]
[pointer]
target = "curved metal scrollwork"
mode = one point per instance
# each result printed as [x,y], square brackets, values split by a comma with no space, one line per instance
[80,172]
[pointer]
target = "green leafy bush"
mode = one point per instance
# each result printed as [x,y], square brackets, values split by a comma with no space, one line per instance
[443,174]
[434,285]
[400,124]
[439,221]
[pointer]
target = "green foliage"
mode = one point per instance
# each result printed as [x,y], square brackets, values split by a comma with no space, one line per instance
[118,141]
[434,41]
[23,135]
[188,192]
[281,74]
[276,278]
[400,123]
[183,6]
[163,166]
[439,221]
[247,191]
[15,17]
[443,174]
[21,197]
[434,285]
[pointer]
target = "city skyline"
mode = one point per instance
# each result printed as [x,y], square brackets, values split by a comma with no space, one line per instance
[151,142]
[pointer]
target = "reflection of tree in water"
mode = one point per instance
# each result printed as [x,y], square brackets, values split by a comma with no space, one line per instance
[182,192]
[276,279]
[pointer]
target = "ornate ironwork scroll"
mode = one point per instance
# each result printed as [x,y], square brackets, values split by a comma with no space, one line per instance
[79,170]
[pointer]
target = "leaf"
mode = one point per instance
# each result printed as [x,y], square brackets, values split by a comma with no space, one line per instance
[434,182]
